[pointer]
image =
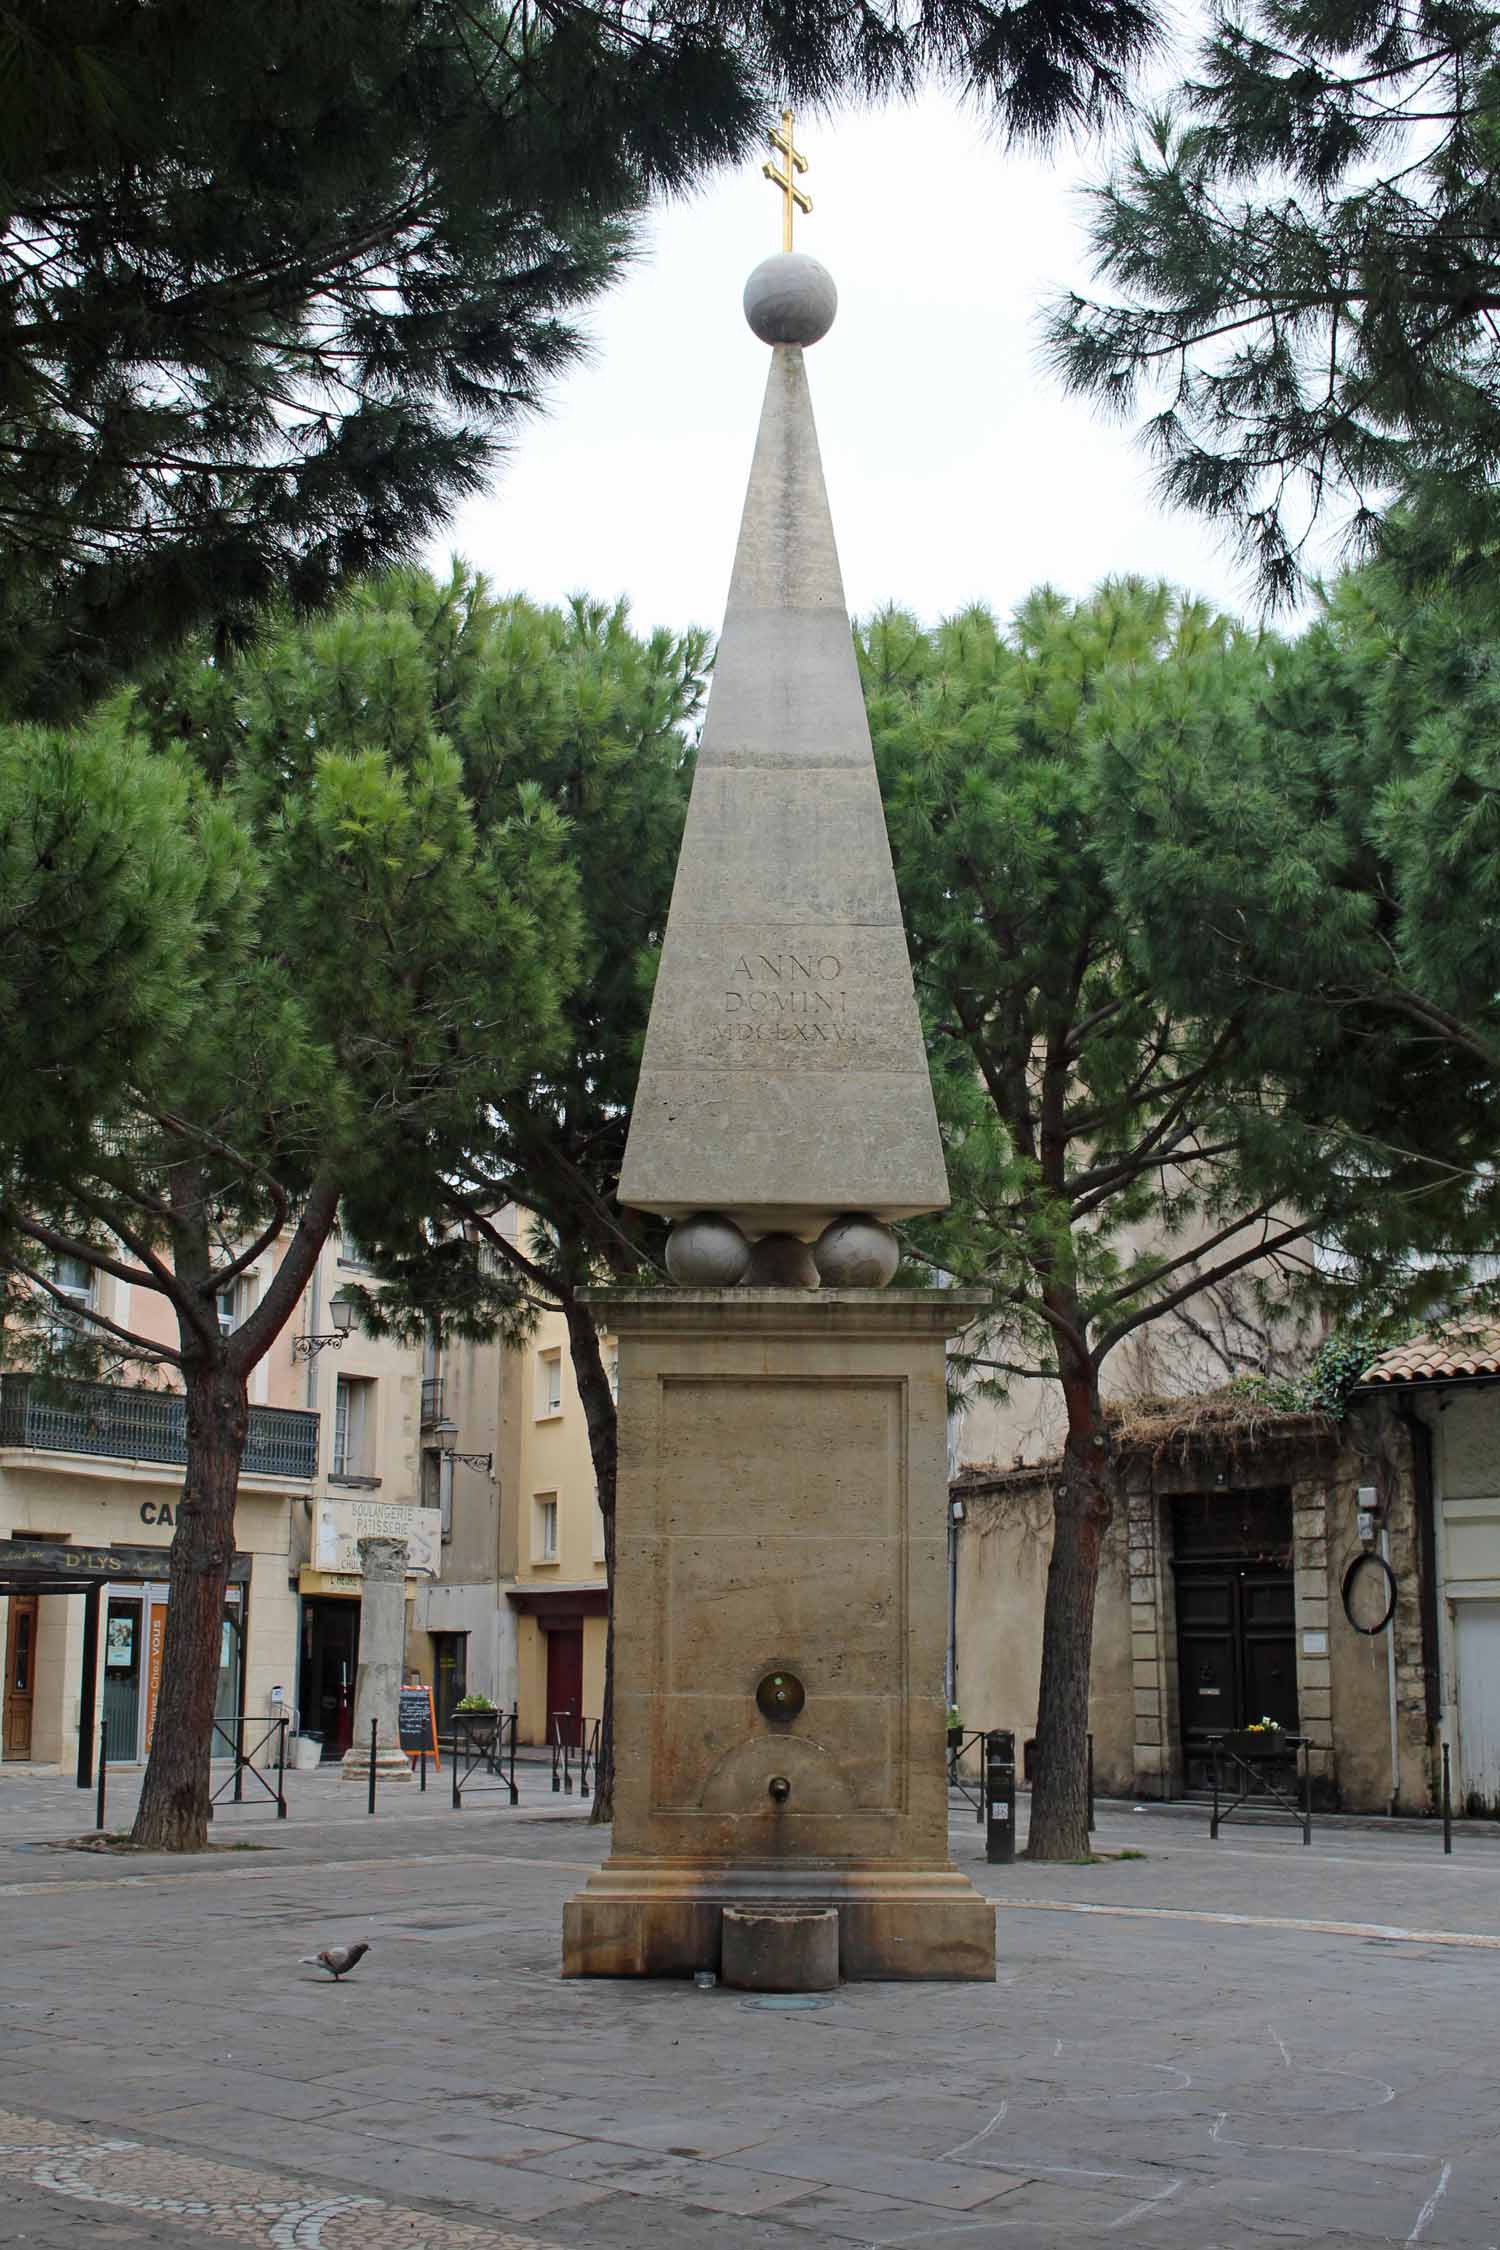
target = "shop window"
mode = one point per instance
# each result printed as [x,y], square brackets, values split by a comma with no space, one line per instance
[354,1426]
[544,1528]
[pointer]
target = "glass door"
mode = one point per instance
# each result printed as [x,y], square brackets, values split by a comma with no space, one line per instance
[122,1677]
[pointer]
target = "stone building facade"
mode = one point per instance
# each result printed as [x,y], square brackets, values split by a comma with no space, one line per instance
[1222,1601]
[475,1454]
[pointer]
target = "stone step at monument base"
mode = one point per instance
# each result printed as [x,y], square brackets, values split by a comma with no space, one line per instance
[390,1765]
[644,1919]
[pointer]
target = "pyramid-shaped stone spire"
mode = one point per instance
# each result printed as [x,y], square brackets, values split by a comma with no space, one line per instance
[784,1079]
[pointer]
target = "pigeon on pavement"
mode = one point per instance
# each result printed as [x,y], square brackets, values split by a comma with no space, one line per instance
[338,1960]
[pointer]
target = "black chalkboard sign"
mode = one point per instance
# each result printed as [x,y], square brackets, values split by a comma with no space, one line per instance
[418,1722]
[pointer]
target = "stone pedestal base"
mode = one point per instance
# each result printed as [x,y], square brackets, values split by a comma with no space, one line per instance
[650,1920]
[390,1765]
[780,1624]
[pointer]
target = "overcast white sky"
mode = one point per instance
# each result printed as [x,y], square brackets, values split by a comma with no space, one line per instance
[957,470]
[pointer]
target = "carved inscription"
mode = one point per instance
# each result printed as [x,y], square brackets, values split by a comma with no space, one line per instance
[788,998]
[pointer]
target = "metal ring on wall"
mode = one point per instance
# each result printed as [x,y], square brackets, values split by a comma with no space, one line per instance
[1377,1562]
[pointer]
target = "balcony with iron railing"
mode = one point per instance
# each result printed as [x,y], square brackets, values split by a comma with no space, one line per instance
[121,1422]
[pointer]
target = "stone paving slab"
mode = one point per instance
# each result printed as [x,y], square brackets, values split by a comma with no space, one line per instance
[224,2201]
[1233,2059]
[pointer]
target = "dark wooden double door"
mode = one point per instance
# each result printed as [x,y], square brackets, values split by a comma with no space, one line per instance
[1236,1621]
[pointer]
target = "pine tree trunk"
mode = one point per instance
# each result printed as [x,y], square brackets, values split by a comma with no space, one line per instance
[602,1423]
[1082,1510]
[173,1811]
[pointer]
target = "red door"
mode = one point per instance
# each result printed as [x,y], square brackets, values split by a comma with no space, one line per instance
[564,1684]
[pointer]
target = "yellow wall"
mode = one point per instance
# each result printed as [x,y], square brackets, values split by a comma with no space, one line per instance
[552,1461]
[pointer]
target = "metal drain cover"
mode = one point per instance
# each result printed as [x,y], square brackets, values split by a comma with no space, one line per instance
[786,2000]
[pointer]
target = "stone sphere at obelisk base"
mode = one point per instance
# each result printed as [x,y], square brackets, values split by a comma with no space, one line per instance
[382,1650]
[791,299]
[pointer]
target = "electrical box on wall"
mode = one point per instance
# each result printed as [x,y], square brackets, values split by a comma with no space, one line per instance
[1367,1501]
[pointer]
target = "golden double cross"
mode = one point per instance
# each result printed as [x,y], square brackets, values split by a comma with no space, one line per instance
[793,199]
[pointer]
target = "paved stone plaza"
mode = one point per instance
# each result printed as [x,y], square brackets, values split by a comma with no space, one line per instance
[1212,2046]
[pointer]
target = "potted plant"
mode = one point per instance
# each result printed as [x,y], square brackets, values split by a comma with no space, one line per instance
[477,1720]
[1261,1738]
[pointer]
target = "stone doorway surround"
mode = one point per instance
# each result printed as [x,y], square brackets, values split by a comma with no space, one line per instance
[1324,1472]
[1159,1767]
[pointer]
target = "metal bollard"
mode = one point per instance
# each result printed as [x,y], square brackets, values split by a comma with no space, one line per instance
[1000,1797]
[1447,1800]
[374,1745]
[104,1761]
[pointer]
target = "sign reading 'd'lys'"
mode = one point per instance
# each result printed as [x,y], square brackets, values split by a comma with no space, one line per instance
[341,1524]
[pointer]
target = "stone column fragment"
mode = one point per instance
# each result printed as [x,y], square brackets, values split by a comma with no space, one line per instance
[382,1652]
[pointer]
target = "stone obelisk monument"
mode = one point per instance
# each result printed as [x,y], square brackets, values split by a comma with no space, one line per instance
[780,1594]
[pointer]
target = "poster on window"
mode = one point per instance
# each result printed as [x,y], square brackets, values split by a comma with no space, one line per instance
[119,1647]
[156,1635]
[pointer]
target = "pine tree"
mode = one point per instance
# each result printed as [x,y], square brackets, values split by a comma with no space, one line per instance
[276,283]
[101,896]
[1080,1099]
[1303,260]
[364,970]
[599,723]
[1343,864]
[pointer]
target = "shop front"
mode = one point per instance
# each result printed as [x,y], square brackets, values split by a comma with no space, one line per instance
[329,1588]
[123,1594]
[329,1659]
[135,1629]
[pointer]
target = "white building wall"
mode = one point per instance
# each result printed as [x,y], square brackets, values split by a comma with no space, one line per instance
[1465,1426]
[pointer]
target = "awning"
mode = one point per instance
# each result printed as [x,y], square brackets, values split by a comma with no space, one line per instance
[591,1600]
[349,1583]
[29,1566]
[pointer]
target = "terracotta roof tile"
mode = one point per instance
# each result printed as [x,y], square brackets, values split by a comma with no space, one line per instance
[1450,1355]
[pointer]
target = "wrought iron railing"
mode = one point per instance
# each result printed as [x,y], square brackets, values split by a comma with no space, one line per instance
[484,1742]
[574,1743]
[968,1782]
[123,1422]
[432,1399]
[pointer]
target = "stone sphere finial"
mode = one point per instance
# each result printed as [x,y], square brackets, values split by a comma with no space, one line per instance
[856,1252]
[790,299]
[707,1251]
